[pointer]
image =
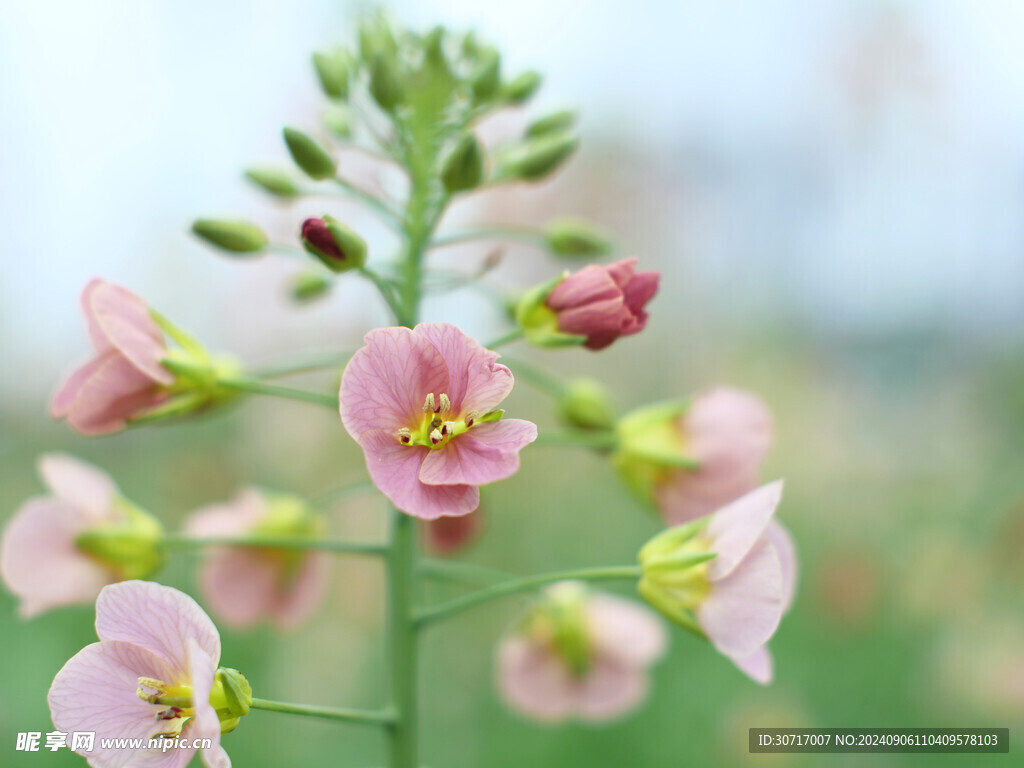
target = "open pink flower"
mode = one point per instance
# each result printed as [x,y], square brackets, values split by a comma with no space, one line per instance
[738,597]
[247,585]
[603,302]
[591,667]
[155,643]
[125,377]
[727,432]
[422,405]
[41,559]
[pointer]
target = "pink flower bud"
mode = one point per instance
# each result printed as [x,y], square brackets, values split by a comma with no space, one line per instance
[603,303]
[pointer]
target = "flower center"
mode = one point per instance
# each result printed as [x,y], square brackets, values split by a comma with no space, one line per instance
[176,703]
[439,424]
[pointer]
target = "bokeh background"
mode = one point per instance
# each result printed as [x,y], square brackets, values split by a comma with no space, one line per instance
[834,193]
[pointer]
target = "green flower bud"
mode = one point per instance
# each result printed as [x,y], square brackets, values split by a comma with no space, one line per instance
[522,87]
[310,155]
[274,181]
[332,71]
[540,157]
[337,246]
[338,122]
[309,286]
[486,78]
[131,548]
[232,235]
[576,238]
[385,83]
[587,404]
[463,168]
[539,322]
[553,123]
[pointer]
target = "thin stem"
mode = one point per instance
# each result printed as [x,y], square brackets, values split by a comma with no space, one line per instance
[459,604]
[542,380]
[359,716]
[274,390]
[403,650]
[390,215]
[307,365]
[385,289]
[495,232]
[577,439]
[461,572]
[274,542]
[508,338]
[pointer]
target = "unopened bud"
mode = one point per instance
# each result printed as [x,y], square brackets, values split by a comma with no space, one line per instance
[274,181]
[587,404]
[575,237]
[463,168]
[522,87]
[310,155]
[338,121]
[309,286]
[553,123]
[385,84]
[541,156]
[332,71]
[231,234]
[486,78]
[337,246]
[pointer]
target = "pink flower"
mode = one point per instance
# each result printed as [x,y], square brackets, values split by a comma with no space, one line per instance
[603,302]
[155,644]
[586,660]
[728,433]
[43,558]
[447,535]
[737,597]
[422,405]
[247,585]
[125,377]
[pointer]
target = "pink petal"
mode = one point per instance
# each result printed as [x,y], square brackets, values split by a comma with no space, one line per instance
[156,617]
[781,539]
[386,382]
[80,485]
[95,691]
[118,319]
[533,681]
[742,610]
[641,289]
[625,630]
[39,561]
[239,585]
[735,529]
[691,494]
[300,599]
[68,391]
[205,725]
[590,285]
[475,381]
[759,666]
[234,518]
[114,392]
[622,271]
[609,689]
[395,468]
[608,316]
[487,453]
[450,534]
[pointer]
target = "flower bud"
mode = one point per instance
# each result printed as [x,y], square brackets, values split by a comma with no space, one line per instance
[486,78]
[274,181]
[236,691]
[539,322]
[131,548]
[338,122]
[540,157]
[522,87]
[587,404]
[385,83]
[232,235]
[574,237]
[309,286]
[463,168]
[332,71]
[337,246]
[553,123]
[310,155]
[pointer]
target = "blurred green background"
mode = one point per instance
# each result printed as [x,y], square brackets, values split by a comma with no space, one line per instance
[834,199]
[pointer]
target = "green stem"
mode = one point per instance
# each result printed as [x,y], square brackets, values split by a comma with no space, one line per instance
[386,291]
[508,338]
[307,365]
[274,542]
[459,604]
[576,439]
[391,216]
[496,232]
[461,572]
[403,650]
[360,716]
[534,376]
[274,390]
